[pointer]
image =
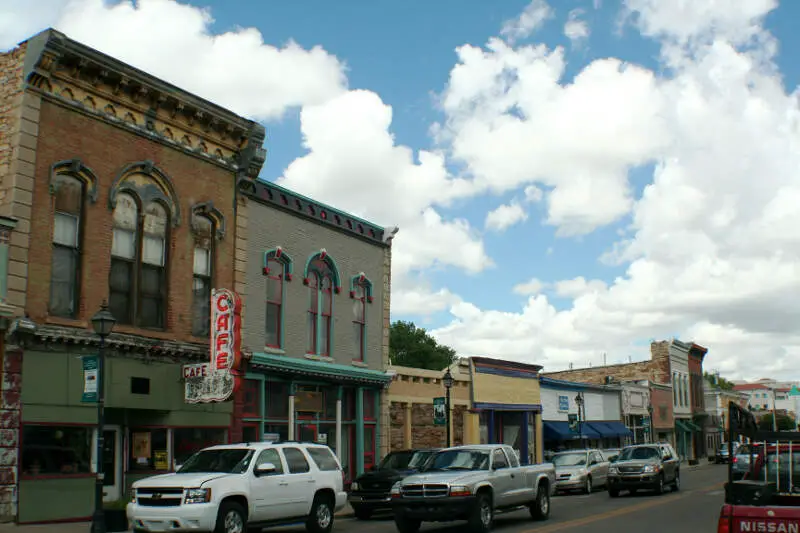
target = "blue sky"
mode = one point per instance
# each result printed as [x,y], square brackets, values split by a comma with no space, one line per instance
[699,112]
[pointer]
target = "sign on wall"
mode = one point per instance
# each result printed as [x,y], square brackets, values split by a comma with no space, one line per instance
[439,412]
[219,379]
[90,375]
[563,404]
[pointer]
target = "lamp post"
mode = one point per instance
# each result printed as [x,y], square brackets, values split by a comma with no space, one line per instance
[650,417]
[103,322]
[579,403]
[447,380]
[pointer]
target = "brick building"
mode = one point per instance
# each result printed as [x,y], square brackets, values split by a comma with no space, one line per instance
[411,396]
[316,288]
[122,189]
[671,363]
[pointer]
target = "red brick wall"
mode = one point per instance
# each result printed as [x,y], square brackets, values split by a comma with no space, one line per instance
[624,372]
[424,434]
[662,408]
[65,134]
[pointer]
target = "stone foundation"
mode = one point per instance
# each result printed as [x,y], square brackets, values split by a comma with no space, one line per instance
[10,418]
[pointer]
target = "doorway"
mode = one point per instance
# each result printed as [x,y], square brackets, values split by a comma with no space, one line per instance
[307,432]
[112,462]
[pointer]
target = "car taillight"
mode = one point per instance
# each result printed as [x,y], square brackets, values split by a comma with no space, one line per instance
[724,522]
[735,459]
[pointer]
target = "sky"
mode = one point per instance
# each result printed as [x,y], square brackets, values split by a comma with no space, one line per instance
[572,180]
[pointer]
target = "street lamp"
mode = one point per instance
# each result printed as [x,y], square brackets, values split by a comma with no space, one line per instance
[447,380]
[103,322]
[579,403]
[650,419]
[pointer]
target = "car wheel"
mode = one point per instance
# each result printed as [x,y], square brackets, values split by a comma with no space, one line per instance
[362,514]
[406,525]
[587,488]
[660,484]
[540,508]
[676,485]
[231,518]
[613,493]
[482,515]
[320,519]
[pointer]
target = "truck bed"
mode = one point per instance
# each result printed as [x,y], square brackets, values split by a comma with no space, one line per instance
[752,519]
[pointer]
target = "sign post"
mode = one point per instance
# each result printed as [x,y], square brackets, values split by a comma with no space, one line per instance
[439,412]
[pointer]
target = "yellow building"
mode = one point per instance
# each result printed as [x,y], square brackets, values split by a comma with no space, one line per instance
[506,406]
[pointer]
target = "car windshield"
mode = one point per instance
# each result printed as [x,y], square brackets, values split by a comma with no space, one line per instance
[723,447]
[404,460]
[458,460]
[570,459]
[638,453]
[222,461]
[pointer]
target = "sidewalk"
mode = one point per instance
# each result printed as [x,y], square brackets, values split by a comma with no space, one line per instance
[83,527]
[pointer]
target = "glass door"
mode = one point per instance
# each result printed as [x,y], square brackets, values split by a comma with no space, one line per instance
[112,462]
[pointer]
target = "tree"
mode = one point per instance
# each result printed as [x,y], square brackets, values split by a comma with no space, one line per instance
[719,381]
[414,347]
[784,422]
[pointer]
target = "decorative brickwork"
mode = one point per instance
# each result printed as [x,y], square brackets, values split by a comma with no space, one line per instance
[10,415]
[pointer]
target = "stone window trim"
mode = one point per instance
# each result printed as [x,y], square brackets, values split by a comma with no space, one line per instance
[130,309]
[68,235]
[205,226]
[277,268]
[160,189]
[361,294]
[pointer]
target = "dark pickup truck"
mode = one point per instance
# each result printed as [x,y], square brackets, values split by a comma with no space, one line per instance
[369,492]
[767,497]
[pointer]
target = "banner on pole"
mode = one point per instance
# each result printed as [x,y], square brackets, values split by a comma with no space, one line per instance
[439,412]
[90,376]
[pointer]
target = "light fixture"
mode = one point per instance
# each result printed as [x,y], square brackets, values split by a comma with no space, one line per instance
[103,321]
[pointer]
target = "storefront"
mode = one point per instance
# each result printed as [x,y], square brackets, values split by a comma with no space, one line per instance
[685,431]
[506,399]
[149,429]
[297,399]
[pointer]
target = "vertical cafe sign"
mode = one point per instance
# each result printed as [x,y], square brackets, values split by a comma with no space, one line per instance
[218,380]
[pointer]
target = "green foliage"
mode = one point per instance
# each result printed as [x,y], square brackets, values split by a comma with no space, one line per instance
[784,422]
[722,383]
[414,347]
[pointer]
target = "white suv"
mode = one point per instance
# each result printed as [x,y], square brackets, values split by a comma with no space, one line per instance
[236,487]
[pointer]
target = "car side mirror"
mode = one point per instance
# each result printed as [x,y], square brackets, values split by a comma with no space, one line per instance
[265,469]
[592,462]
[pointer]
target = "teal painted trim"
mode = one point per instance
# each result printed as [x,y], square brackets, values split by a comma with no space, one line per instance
[337,280]
[3,270]
[284,259]
[359,431]
[279,421]
[366,283]
[253,375]
[332,370]
[327,207]
[340,393]
[377,412]
[292,388]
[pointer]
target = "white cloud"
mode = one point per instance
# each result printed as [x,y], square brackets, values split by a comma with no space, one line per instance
[531,19]
[235,69]
[531,287]
[533,194]
[712,253]
[415,297]
[354,164]
[505,216]
[575,29]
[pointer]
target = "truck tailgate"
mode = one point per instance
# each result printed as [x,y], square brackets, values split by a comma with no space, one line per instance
[751,519]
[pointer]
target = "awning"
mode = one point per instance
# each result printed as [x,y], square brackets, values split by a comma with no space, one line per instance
[559,430]
[277,364]
[687,425]
[611,430]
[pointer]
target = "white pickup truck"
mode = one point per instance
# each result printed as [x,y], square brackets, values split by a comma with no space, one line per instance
[472,483]
[234,488]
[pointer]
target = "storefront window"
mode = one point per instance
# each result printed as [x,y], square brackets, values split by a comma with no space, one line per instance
[330,403]
[148,449]
[250,433]
[282,430]
[369,404]
[56,450]
[349,404]
[187,441]
[252,398]
[483,419]
[277,399]
[369,447]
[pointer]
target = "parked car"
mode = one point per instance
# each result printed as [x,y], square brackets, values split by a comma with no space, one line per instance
[724,454]
[645,466]
[239,487]
[369,492]
[611,454]
[472,483]
[580,470]
[741,458]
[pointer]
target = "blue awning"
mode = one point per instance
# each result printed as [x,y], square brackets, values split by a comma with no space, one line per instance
[611,430]
[559,430]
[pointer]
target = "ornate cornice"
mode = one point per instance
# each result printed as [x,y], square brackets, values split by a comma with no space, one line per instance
[102,86]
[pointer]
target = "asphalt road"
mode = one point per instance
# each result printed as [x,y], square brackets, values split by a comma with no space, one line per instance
[693,509]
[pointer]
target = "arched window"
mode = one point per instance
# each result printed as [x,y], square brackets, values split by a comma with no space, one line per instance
[322,280]
[278,271]
[67,239]
[361,294]
[137,284]
[203,230]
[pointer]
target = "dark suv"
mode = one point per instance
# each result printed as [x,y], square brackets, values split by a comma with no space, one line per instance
[644,466]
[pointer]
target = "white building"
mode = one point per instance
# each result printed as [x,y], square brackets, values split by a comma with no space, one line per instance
[636,408]
[717,401]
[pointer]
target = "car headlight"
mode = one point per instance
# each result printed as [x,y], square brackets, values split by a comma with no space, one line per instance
[395,490]
[651,468]
[613,470]
[198,496]
[354,485]
[460,490]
